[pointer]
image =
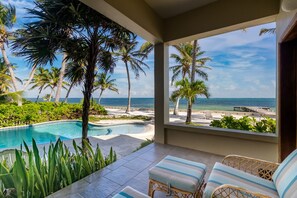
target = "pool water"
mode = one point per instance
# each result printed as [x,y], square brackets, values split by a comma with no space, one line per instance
[51,132]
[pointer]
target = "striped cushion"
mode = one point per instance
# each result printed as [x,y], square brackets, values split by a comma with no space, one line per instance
[178,173]
[285,176]
[129,192]
[222,174]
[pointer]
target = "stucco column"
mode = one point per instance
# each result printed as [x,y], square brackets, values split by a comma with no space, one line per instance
[161,91]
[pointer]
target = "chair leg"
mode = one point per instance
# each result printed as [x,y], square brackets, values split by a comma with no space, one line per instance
[151,191]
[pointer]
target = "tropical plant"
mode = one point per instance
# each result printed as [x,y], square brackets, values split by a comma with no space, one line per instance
[84,35]
[11,114]
[190,90]
[133,60]
[61,78]
[53,80]
[267,31]
[7,19]
[33,175]
[103,83]
[147,47]
[75,73]
[5,78]
[265,125]
[189,56]
[6,93]
[40,80]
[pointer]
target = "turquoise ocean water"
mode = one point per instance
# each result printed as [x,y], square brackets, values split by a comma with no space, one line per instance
[201,103]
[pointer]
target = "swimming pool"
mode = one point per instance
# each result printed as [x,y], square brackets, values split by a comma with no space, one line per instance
[66,130]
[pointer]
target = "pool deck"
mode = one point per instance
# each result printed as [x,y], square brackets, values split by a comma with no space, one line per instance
[132,170]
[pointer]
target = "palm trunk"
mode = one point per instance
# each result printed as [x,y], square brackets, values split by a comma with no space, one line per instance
[176,106]
[193,70]
[38,95]
[30,77]
[89,85]
[61,78]
[51,94]
[189,112]
[10,69]
[99,99]
[129,89]
[68,92]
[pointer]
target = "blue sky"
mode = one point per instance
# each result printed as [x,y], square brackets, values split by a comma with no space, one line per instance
[243,65]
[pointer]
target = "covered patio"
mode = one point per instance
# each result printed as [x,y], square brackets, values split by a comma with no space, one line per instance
[132,170]
[170,22]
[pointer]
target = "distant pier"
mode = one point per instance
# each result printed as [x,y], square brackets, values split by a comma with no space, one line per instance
[266,111]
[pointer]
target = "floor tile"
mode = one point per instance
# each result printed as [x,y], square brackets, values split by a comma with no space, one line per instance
[121,175]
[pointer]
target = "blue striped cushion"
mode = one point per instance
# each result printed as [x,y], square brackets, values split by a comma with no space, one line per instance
[178,173]
[285,176]
[222,174]
[129,192]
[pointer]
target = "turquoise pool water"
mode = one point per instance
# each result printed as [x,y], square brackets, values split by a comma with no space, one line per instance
[50,132]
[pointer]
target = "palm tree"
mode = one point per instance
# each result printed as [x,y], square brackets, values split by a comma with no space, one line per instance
[5,78]
[104,82]
[189,90]
[133,60]
[189,57]
[7,19]
[147,47]
[61,77]
[75,73]
[267,31]
[53,81]
[40,80]
[6,93]
[81,32]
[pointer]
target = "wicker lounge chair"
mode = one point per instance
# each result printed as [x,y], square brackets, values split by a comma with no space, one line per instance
[239,176]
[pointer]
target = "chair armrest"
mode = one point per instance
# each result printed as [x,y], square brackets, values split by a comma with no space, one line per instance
[260,168]
[234,191]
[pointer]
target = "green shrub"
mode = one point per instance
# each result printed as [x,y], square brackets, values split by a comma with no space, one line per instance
[266,125]
[145,143]
[34,176]
[30,113]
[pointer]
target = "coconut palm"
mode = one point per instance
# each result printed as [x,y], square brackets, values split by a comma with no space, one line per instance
[7,19]
[185,63]
[40,80]
[5,78]
[147,47]
[267,31]
[104,83]
[190,90]
[61,78]
[82,33]
[75,73]
[184,60]
[53,81]
[133,60]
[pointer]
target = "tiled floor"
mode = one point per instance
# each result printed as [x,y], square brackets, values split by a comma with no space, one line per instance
[132,170]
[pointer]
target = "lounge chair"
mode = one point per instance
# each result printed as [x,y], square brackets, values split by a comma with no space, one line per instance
[239,176]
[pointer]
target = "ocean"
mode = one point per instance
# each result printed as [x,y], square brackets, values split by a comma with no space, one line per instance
[224,104]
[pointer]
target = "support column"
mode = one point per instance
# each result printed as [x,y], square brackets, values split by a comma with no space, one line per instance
[161,91]
[287,124]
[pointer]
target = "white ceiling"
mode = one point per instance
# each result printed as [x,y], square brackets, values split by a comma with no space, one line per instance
[170,8]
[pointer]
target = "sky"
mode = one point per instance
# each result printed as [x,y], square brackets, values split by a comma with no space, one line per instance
[243,64]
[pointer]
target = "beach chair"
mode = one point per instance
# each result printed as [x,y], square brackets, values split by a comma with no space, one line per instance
[208,115]
[239,176]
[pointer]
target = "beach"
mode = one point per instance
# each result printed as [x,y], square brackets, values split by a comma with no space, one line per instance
[201,117]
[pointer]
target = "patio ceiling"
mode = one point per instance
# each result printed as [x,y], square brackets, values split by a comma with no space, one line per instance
[170,8]
[174,21]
